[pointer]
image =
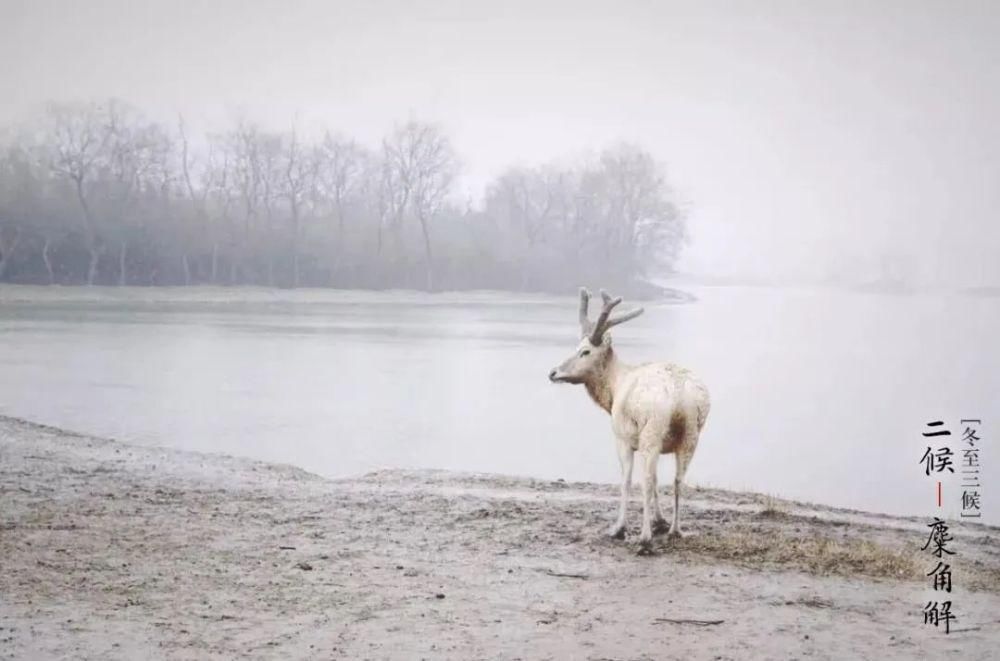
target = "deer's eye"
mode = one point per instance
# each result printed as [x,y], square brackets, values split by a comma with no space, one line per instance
[585,352]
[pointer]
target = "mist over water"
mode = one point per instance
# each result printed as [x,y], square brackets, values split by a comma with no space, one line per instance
[819,394]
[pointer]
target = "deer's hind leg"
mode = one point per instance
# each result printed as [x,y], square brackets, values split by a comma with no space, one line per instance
[659,521]
[650,445]
[650,457]
[682,456]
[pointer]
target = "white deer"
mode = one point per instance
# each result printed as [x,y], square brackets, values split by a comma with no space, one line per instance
[656,408]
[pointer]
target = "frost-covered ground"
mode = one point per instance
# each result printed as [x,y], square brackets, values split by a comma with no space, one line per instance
[112,551]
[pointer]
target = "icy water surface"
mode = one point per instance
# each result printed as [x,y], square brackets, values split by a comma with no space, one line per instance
[818,394]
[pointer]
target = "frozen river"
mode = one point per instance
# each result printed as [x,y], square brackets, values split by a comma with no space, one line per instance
[818,394]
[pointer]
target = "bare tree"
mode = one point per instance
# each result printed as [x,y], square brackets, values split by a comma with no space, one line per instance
[298,175]
[21,197]
[340,171]
[643,226]
[422,163]
[197,196]
[251,160]
[219,198]
[392,198]
[379,203]
[138,165]
[10,236]
[80,137]
[524,201]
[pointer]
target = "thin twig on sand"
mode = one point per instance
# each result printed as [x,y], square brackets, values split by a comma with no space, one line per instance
[701,623]
[565,575]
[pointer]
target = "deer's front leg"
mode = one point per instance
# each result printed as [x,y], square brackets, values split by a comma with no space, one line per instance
[625,456]
[650,459]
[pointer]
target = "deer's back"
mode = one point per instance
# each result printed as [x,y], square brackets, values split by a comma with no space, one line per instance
[664,397]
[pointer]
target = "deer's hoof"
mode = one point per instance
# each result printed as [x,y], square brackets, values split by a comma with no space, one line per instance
[616,532]
[644,549]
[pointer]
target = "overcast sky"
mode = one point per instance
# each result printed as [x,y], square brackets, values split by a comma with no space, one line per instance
[803,137]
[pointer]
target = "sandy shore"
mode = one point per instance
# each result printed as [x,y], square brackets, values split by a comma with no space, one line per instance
[112,551]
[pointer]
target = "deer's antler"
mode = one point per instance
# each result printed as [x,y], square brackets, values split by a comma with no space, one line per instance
[604,321]
[585,325]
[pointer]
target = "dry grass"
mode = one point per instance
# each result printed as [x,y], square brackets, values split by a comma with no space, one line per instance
[773,508]
[815,555]
[981,577]
[755,546]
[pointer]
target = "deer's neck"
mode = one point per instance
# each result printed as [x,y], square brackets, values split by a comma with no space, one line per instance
[601,385]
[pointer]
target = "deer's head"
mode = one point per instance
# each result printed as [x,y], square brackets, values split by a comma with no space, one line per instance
[594,350]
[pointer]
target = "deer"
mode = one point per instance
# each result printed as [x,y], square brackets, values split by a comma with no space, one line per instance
[655,408]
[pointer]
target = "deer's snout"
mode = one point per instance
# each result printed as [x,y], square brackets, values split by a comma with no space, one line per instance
[552,375]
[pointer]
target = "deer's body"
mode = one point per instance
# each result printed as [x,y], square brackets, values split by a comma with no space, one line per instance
[655,408]
[660,395]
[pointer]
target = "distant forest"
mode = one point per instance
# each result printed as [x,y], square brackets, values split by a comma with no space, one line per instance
[98,194]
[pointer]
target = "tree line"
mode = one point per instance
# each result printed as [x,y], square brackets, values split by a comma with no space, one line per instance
[99,194]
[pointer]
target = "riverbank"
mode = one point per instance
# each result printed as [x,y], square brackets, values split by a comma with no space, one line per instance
[118,551]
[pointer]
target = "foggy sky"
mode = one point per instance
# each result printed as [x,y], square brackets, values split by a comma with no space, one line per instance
[804,138]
